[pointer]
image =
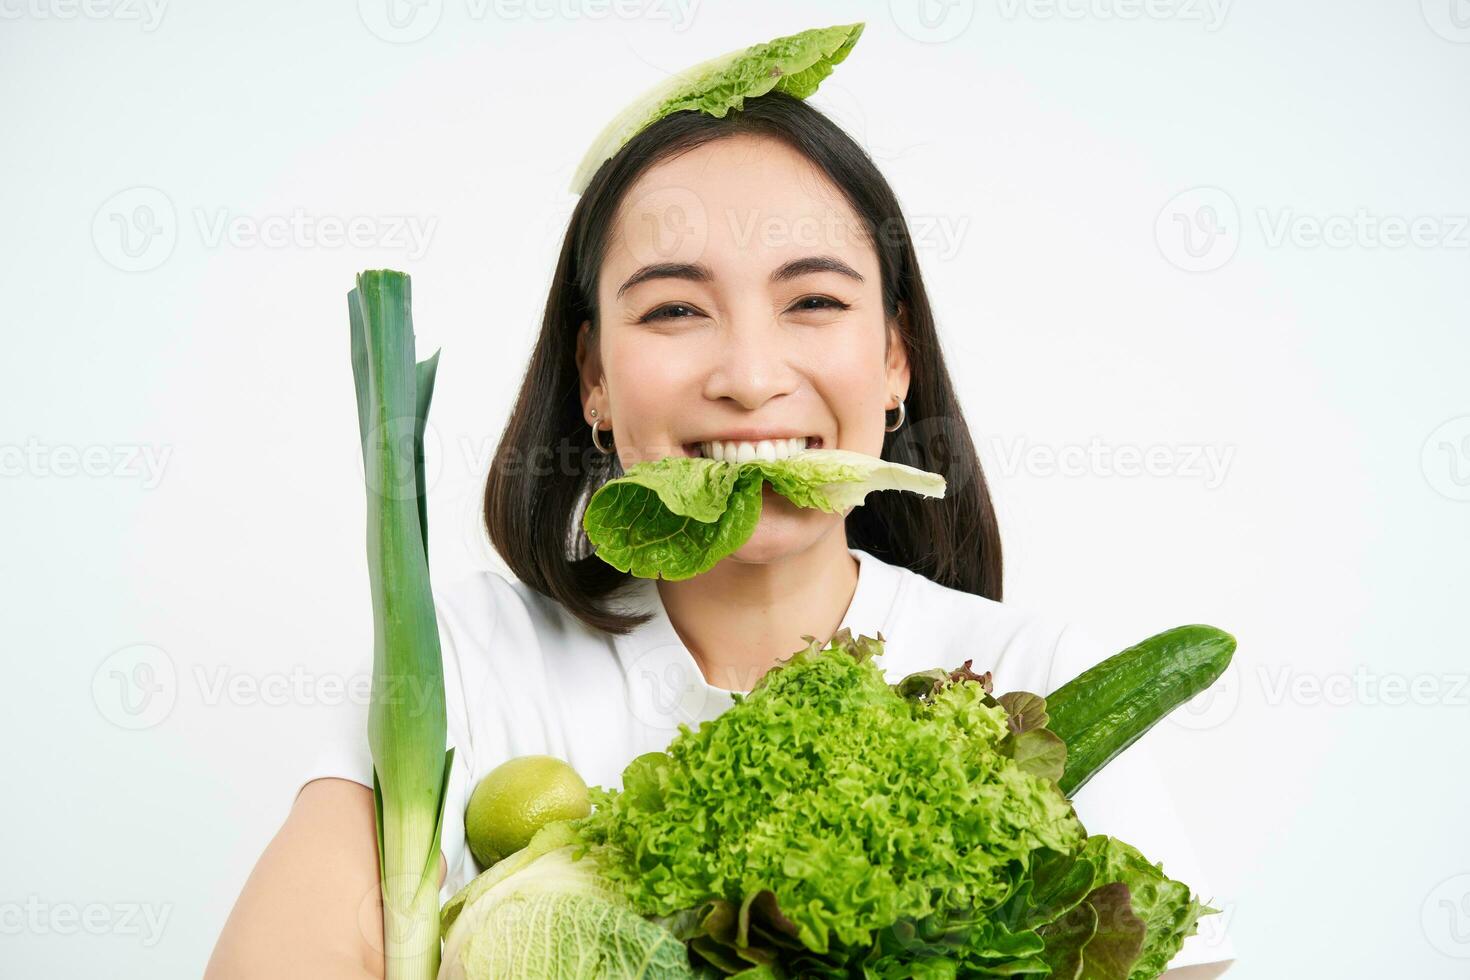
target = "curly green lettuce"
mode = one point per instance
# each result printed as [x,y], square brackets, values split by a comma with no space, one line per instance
[829,825]
[829,807]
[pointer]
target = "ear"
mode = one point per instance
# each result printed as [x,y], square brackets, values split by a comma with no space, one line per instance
[897,359]
[589,364]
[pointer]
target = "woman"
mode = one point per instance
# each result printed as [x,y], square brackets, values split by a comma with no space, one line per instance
[727,285]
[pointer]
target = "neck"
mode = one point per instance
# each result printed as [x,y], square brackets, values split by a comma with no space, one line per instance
[739,618]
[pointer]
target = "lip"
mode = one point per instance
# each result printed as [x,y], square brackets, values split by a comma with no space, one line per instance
[755,435]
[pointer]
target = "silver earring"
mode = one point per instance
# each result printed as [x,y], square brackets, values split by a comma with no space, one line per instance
[595,440]
[902,414]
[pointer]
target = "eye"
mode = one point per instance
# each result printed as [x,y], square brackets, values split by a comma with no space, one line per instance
[823,303]
[665,312]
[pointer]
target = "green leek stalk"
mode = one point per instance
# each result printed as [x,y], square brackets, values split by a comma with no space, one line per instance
[406,723]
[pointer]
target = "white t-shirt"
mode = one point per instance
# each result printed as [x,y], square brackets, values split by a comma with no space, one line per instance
[522,676]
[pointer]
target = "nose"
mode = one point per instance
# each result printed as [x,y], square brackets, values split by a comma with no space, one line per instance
[754,360]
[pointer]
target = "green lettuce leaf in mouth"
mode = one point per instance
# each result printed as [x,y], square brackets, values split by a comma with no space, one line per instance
[676,517]
[795,64]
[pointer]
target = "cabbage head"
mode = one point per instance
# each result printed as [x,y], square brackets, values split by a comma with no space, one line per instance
[540,913]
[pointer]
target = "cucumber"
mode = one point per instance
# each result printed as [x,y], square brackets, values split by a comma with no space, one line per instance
[1108,707]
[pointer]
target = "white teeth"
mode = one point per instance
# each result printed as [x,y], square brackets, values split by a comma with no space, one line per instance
[742,452]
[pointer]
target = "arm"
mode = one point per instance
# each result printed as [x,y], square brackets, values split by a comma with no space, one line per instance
[311,908]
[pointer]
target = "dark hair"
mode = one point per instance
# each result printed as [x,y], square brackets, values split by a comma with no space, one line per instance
[533,513]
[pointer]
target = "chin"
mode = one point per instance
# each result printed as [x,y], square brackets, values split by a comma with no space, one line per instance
[783,532]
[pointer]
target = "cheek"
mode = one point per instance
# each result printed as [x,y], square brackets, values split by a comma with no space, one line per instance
[852,383]
[649,383]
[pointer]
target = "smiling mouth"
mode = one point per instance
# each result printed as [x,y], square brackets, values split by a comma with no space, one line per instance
[739,451]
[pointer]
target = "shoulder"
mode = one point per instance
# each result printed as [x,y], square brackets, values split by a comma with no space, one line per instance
[490,638]
[476,607]
[506,645]
[1025,649]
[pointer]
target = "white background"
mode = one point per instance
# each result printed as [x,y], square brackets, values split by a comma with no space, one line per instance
[173,633]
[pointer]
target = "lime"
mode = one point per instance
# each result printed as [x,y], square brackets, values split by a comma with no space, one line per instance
[518,798]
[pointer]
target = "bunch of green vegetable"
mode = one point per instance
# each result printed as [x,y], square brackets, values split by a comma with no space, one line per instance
[829,824]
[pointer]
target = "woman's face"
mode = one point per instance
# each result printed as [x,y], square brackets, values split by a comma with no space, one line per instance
[740,298]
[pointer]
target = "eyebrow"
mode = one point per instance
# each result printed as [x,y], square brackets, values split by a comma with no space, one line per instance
[699,272]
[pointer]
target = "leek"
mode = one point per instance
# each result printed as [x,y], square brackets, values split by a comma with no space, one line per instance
[406,721]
